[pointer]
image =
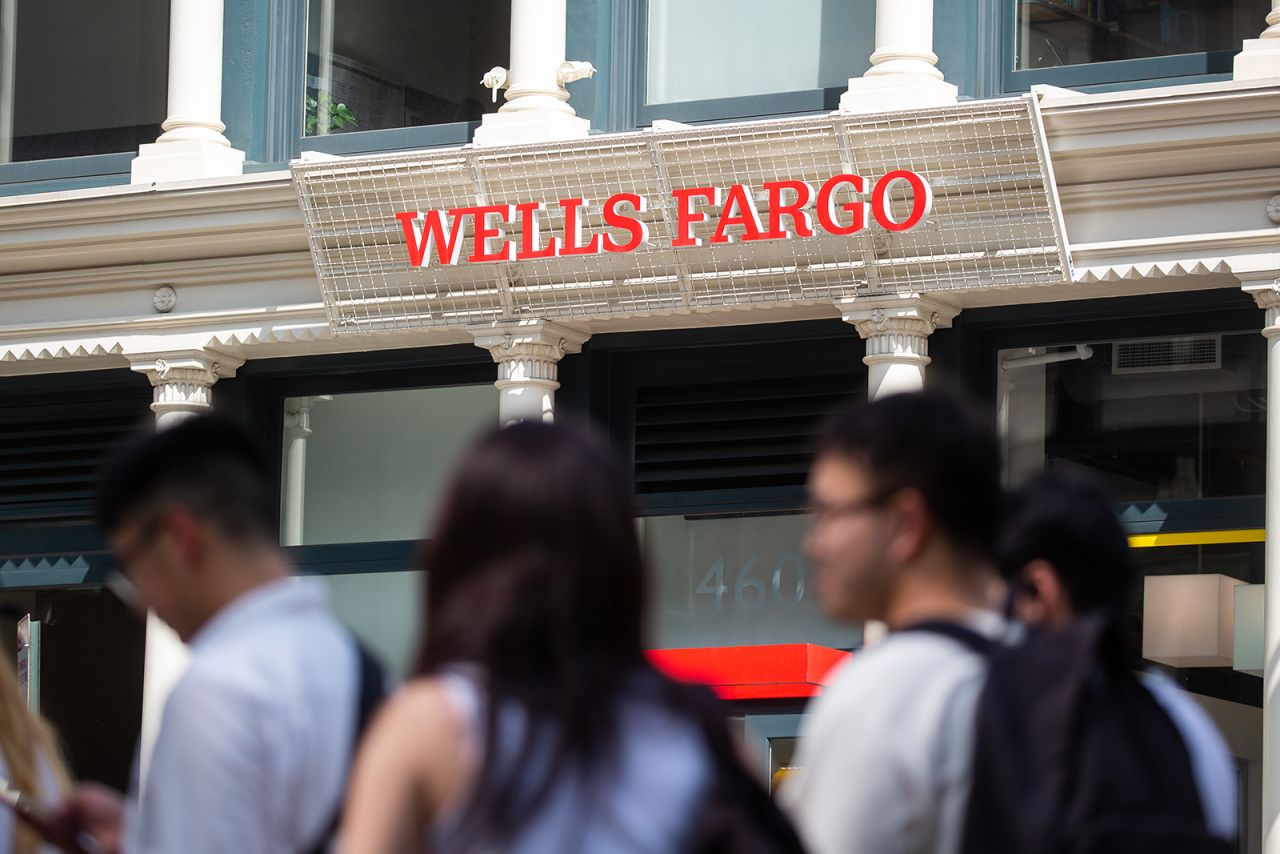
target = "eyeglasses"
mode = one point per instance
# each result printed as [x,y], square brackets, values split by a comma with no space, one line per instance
[127,555]
[821,513]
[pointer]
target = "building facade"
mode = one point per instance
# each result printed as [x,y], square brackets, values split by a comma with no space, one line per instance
[703,225]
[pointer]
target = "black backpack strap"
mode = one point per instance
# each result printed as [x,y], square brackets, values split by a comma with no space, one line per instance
[371,689]
[970,639]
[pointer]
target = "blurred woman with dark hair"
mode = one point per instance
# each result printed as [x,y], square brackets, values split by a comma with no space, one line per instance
[536,723]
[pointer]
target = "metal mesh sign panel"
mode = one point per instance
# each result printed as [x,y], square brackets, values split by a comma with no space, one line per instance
[994,220]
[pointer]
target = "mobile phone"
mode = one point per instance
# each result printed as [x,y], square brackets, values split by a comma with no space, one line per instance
[69,838]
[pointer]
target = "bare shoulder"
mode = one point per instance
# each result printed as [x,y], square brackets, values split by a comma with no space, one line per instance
[418,735]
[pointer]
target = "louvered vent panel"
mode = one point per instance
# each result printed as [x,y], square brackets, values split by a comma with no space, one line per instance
[52,446]
[1158,355]
[732,434]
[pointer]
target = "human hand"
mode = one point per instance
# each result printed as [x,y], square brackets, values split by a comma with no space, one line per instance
[96,810]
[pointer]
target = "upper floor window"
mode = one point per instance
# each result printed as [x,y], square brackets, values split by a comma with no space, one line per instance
[721,50]
[1053,33]
[81,77]
[383,64]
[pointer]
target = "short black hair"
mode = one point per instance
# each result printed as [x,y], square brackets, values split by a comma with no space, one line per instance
[208,464]
[931,442]
[1066,516]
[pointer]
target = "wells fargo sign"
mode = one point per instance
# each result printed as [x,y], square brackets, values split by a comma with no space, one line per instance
[790,210]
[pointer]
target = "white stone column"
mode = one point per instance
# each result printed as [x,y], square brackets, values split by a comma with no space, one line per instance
[528,357]
[904,69]
[297,430]
[1268,298]
[192,145]
[897,331]
[1260,57]
[182,384]
[536,107]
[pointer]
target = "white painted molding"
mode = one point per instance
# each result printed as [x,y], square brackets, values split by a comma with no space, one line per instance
[1165,270]
[1260,58]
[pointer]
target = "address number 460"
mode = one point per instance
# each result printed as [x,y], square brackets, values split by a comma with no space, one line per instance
[786,581]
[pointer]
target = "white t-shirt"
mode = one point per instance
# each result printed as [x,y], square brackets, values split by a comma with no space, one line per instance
[885,751]
[255,741]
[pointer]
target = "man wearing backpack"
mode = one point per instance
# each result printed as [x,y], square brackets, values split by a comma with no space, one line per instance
[256,738]
[1072,576]
[905,495]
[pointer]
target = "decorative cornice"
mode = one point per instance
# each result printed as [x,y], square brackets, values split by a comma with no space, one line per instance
[1161,270]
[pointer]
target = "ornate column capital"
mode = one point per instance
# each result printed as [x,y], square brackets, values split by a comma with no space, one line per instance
[897,329]
[528,353]
[297,413]
[182,380]
[1266,293]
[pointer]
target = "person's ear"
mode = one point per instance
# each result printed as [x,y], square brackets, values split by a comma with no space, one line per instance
[188,536]
[1045,599]
[912,525]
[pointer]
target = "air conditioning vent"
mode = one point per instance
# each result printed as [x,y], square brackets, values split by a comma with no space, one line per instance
[1160,355]
[748,432]
[52,444]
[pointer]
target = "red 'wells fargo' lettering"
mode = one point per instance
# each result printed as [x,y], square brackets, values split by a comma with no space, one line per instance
[790,210]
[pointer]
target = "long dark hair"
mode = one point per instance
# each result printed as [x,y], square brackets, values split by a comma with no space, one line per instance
[535,575]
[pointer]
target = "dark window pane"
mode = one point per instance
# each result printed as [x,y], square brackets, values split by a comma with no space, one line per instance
[82,77]
[1172,418]
[379,64]
[1072,32]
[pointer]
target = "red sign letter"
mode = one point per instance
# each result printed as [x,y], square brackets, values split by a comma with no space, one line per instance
[800,219]
[486,232]
[921,200]
[747,216]
[686,216]
[638,230]
[530,230]
[827,206]
[422,231]
[573,230]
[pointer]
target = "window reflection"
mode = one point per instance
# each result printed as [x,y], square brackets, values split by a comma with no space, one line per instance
[1071,32]
[704,49]
[379,64]
[1170,418]
[81,77]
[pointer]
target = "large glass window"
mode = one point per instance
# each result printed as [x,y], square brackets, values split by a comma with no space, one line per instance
[708,49]
[81,77]
[379,64]
[369,466]
[1053,33]
[1162,418]
[735,581]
